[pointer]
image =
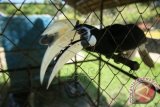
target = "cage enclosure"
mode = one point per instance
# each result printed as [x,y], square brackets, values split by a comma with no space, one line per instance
[89,79]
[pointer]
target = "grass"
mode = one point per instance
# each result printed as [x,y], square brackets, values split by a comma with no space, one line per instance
[115,86]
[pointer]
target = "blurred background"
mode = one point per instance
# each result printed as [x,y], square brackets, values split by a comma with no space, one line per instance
[23,21]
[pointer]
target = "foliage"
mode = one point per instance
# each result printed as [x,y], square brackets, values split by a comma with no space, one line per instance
[131,13]
[127,14]
[27,9]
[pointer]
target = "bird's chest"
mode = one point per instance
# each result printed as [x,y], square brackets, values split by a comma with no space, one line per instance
[103,46]
[110,43]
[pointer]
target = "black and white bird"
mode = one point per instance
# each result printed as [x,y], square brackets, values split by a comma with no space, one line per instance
[114,40]
[65,41]
[63,44]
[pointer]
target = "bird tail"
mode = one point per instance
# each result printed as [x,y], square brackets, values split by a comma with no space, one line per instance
[144,54]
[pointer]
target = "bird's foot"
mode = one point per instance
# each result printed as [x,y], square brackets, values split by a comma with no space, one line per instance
[134,65]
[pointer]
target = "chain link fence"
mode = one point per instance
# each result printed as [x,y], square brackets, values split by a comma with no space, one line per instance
[104,82]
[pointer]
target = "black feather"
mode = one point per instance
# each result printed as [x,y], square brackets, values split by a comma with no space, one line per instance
[119,38]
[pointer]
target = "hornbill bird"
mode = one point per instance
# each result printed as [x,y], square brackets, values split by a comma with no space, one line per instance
[65,40]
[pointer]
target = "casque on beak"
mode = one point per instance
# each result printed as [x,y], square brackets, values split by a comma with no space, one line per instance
[63,44]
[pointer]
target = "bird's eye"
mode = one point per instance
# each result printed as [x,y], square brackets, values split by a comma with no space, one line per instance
[82,31]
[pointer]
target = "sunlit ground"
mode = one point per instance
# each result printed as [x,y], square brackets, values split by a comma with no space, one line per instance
[153,34]
[115,84]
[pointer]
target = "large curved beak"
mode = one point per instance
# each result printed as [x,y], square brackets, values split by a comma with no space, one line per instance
[60,42]
[57,37]
[63,44]
[68,53]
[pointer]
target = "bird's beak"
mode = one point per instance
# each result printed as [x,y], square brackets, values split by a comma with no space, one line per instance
[67,53]
[58,37]
[54,50]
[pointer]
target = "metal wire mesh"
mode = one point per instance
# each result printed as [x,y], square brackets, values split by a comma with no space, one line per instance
[112,84]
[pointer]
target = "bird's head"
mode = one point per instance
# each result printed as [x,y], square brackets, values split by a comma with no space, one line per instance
[85,32]
[64,41]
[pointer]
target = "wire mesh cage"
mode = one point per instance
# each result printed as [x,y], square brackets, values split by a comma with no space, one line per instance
[99,81]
